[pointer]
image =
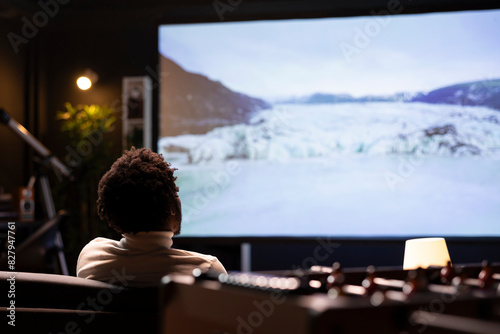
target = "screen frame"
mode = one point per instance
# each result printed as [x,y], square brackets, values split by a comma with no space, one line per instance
[283,10]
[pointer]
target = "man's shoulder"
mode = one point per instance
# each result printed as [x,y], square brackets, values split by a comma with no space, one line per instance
[199,260]
[100,244]
[187,253]
[101,241]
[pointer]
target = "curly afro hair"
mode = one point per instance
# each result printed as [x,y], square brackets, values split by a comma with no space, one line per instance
[138,194]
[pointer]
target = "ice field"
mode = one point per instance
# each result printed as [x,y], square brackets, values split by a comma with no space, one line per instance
[352,169]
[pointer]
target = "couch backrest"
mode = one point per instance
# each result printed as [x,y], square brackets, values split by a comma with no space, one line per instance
[34,290]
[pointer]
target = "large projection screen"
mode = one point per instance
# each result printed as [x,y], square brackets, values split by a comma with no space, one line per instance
[366,126]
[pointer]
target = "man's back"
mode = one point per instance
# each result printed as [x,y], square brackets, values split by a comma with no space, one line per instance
[142,259]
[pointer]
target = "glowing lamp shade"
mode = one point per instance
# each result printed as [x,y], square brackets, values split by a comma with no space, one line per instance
[425,252]
[83,83]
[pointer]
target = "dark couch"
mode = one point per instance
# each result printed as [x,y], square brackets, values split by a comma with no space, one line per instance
[48,303]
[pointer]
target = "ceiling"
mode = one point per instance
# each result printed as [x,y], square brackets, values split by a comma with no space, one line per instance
[204,10]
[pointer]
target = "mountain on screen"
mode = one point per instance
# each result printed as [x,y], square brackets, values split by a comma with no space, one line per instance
[318,98]
[478,93]
[192,103]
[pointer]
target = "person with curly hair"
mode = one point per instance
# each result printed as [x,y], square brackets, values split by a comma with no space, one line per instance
[138,198]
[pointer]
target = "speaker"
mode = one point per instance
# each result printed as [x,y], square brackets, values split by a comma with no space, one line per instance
[26,204]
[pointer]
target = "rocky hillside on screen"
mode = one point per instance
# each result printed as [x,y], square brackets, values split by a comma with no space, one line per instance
[478,93]
[193,104]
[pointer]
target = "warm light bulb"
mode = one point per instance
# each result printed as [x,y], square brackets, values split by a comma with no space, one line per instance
[83,83]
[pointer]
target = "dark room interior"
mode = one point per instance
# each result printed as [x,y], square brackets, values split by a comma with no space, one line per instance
[46,45]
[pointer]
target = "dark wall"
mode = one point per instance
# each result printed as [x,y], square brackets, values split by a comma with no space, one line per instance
[12,147]
[37,81]
[111,50]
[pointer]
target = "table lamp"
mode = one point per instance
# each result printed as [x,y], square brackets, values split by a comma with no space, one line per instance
[425,252]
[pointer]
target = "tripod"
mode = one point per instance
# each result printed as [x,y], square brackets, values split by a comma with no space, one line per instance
[47,160]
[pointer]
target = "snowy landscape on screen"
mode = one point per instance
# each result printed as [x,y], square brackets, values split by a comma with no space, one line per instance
[324,126]
[343,169]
